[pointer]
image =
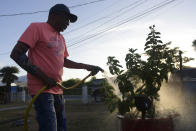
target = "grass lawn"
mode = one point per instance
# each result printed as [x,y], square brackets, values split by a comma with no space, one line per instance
[13,104]
[80,117]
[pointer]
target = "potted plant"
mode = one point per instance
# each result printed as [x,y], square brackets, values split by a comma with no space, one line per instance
[140,84]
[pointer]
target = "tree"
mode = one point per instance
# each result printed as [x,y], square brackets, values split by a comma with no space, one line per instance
[89,83]
[78,90]
[140,83]
[194,44]
[8,74]
[69,83]
[8,77]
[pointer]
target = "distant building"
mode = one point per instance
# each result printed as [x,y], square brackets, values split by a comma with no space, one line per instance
[96,86]
[97,83]
[186,79]
[186,75]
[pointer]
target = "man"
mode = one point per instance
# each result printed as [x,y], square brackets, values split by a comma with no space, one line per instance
[47,55]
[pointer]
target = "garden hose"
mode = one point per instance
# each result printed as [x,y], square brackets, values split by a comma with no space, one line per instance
[40,91]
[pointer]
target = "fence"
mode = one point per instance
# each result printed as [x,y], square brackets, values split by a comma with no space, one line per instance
[4,95]
[13,94]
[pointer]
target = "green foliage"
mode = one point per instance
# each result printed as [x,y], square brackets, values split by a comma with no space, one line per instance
[110,99]
[114,65]
[143,77]
[78,89]
[89,83]
[8,74]
[194,44]
[69,83]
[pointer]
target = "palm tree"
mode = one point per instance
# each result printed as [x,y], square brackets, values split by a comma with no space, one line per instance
[8,76]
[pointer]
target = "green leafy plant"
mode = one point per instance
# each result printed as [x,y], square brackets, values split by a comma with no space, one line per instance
[141,81]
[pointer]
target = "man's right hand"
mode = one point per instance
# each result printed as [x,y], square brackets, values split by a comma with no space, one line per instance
[94,69]
[47,81]
[19,56]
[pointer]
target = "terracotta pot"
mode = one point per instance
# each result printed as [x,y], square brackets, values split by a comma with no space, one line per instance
[162,124]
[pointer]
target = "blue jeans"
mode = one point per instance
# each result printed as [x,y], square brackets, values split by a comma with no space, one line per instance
[50,112]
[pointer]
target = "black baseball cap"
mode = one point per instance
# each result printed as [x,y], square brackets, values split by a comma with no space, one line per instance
[58,8]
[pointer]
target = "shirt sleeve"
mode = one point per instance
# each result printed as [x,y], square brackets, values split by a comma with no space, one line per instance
[30,36]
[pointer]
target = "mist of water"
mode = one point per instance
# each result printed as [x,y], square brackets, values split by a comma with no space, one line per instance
[110,80]
[171,100]
[174,102]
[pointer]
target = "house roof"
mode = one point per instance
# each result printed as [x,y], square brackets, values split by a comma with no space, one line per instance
[2,84]
[187,72]
[98,81]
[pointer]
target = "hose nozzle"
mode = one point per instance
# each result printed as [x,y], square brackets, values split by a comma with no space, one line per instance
[101,70]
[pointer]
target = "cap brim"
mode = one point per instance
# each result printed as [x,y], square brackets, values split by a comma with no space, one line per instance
[73,18]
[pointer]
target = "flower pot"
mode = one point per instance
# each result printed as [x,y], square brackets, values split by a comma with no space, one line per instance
[161,124]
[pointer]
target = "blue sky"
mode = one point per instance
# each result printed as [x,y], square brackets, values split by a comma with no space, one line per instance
[176,22]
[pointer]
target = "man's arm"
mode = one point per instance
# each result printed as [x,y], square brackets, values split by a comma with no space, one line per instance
[18,54]
[71,64]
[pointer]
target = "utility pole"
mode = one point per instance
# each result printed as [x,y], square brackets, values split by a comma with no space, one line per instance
[180,55]
[181,73]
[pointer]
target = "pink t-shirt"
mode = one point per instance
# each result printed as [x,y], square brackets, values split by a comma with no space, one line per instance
[47,51]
